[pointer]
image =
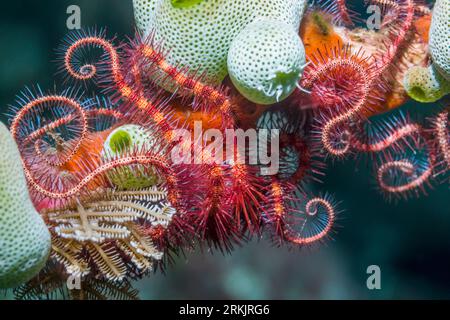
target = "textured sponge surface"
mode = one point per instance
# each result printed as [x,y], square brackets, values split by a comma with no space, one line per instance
[24,238]
[265,61]
[440,37]
[199,36]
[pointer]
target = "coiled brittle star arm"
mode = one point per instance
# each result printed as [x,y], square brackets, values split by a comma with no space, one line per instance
[408,168]
[311,210]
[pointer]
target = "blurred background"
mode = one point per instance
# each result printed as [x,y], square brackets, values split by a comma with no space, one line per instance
[408,240]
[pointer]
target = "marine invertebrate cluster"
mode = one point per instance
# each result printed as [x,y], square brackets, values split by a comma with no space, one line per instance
[320,33]
[103,172]
[103,228]
[346,86]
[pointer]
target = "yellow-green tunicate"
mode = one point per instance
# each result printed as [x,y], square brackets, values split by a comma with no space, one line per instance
[199,34]
[24,238]
[266,61]
[425,84]
[123,141]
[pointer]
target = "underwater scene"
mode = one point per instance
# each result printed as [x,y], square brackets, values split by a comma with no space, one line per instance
[224,149]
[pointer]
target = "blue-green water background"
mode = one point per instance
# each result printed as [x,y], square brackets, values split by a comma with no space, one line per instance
[408,240]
